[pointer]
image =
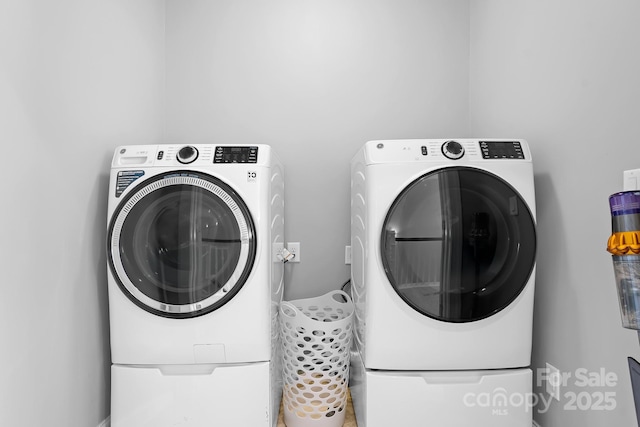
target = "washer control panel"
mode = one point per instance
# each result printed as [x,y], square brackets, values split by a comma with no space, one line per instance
[196,155]
[230,154]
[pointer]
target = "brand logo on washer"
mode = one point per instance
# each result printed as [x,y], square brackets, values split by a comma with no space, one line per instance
[252,176]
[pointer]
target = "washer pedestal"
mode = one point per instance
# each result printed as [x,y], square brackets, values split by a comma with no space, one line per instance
[491,398]
[194,395]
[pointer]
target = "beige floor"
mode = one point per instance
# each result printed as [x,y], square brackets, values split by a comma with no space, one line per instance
[350,419]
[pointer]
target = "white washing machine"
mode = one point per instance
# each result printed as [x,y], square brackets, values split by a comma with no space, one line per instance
[443,254]
[194,283]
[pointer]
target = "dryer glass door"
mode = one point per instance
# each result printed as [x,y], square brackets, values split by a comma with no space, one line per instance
[458,244]
[181,245]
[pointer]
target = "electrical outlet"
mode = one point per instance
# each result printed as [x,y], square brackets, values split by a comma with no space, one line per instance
[347,255]
[554,380]
[631,180]
[294,248]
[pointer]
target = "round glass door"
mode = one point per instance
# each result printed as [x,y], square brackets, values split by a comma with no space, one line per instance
[181,245]
[458,244]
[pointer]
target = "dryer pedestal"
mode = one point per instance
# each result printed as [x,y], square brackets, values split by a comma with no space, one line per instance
[195,395]
[490,398]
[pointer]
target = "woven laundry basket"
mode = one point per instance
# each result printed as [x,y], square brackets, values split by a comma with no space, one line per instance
[316,338]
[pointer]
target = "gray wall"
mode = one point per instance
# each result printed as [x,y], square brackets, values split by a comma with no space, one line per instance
[76,79]
[564,75]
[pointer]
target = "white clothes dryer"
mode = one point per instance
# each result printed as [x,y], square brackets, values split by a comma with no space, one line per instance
[193,277]
[443,254]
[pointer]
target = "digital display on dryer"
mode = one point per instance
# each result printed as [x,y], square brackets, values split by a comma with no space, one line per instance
[501,150]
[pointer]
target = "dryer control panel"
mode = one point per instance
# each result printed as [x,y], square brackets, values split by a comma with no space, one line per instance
[447,151]
[501,150]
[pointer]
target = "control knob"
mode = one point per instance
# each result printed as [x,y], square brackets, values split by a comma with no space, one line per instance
[187,154]
[452,150]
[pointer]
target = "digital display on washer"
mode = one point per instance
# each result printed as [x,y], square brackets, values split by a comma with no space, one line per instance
[236,155]
[501,150]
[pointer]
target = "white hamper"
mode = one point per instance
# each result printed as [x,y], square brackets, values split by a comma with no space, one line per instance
[316,337]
